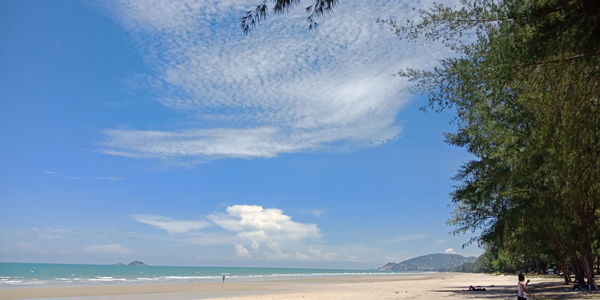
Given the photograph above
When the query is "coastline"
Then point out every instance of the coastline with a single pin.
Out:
(385, 286)
(33, 275)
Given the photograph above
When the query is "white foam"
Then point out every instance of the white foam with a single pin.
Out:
(100, 280)
(106, 279)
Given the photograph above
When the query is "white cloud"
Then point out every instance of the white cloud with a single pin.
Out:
(270, 234)
(242, 251)
(108, 249)
(255, 223)
(170, 225)
(47, 233)
(253, 231)
(449, 251)
(279, 90)
(264, 234)
(106, 178)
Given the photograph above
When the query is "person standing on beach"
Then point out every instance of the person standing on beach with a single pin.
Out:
(223, 278)
(522, 288)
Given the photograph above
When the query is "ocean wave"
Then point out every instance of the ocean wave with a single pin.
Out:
(106, 279)
(142, 278)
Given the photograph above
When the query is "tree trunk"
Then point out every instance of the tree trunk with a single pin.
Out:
(579, 275)
(566, 271)
(587, 258)
(588, 268)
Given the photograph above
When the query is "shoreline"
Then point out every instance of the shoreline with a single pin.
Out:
(63, 275)
(200, 279)
(422, 286)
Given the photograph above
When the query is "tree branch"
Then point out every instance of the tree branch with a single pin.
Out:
(566, 59)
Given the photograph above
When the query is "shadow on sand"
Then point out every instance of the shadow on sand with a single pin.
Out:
(545, 290)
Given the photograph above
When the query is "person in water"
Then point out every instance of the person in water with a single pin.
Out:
(522, 288)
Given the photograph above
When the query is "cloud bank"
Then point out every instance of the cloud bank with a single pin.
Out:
(282, 89)
(253, 231)
(108, 249)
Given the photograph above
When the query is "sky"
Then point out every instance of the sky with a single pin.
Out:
(157, 131)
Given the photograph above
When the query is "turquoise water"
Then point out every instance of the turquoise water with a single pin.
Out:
(32, 274)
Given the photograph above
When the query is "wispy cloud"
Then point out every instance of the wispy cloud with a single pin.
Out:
(46, 233)
(280, 90)
(170, 225)
(108, 249)
(104, 178)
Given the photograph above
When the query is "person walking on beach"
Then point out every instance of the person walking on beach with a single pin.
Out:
(522, 288)
(223, 278)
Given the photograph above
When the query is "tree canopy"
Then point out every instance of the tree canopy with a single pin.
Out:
(525, 85)
(526, 88)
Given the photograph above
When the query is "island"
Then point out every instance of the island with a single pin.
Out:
(133, 263)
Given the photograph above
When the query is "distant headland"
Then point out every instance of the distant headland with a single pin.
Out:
(432, 262)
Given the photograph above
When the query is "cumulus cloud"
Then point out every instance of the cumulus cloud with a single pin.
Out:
(253, 232)
(266, 232)
(242, 251)
(170, 225)
(449, 251)
(108, 249)
(255, 222)
(280, 90)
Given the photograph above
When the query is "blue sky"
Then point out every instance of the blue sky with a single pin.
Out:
(155, 130)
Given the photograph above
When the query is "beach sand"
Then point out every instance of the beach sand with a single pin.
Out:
(424, 286)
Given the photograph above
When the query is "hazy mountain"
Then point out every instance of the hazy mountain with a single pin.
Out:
(431, 262)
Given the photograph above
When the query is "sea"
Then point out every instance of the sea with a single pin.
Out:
(42, 274)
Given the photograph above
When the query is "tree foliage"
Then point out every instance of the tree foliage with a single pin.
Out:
(314, 11)
(525, 85)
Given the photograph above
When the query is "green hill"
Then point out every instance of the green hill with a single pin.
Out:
(431, 262)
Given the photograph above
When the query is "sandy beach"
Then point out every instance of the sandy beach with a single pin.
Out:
(425, 286)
